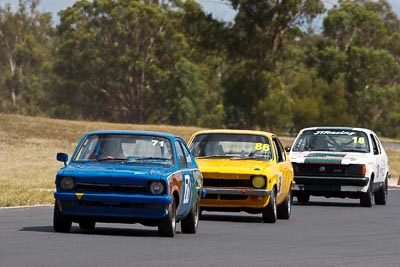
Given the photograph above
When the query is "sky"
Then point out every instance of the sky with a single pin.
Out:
(218, 8)
(222, 11)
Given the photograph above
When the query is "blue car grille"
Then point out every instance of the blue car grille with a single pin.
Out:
(110, 188)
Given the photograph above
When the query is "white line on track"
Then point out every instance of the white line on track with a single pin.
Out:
(24, 207)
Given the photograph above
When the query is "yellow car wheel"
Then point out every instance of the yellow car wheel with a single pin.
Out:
(270, 213)
(285, 209)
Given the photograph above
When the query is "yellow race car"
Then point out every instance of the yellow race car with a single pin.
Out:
(244, 170)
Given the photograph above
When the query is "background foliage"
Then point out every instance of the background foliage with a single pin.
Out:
(167, 62)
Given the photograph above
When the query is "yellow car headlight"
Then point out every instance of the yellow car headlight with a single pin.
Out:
(258, 181)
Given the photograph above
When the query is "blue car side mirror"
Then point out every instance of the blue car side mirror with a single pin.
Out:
(63, 157)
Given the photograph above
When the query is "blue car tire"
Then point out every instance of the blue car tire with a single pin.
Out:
(167, 226)
(61, 223)
(190, 223)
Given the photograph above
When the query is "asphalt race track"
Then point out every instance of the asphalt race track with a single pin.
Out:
(325, 232)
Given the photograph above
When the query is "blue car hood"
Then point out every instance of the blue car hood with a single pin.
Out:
(116, 173)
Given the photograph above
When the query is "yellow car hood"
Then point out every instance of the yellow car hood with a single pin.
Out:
(238, 166)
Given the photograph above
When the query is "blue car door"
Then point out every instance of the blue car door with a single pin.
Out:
(186, 169)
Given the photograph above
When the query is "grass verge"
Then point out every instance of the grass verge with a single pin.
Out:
(28, 148)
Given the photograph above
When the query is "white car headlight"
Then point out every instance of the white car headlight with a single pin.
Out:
(157, 187)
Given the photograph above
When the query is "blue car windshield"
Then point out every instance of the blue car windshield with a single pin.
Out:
(332, 140)
(126, 147)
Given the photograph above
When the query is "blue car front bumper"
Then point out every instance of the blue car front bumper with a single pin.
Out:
(113, 205)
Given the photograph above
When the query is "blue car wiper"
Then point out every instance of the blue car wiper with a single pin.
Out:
(132, 159)
(151, 158)
(112, 159)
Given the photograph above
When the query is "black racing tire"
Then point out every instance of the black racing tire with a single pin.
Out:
(167, 226)
(381, 195)
(87, 224)
(61, 222)
(270, 212)
(285, 209)
(303, 199)
(367, 198)
(190, 223)
(201, 211)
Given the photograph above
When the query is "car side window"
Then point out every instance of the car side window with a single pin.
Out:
(378, 144)
(181, 155)
(375, 146)
(187, 155)
(279, 151)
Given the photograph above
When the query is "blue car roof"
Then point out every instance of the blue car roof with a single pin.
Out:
(162, 134)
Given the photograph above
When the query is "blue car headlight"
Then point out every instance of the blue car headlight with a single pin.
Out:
(156, 187)
(67, 183)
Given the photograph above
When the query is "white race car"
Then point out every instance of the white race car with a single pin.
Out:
(340, 162)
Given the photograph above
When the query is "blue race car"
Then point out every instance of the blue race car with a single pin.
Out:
(128, 177)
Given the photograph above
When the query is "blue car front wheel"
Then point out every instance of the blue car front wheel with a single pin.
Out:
(61, 223)
(167, 226)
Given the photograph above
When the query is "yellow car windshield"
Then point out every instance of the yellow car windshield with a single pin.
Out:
(231, 145)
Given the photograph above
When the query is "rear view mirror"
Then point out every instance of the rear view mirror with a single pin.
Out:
(63, 157)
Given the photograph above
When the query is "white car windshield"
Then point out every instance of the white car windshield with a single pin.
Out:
(332, 140)
(220, 145)
(126, 147)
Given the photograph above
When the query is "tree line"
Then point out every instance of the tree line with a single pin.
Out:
(168, 62)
